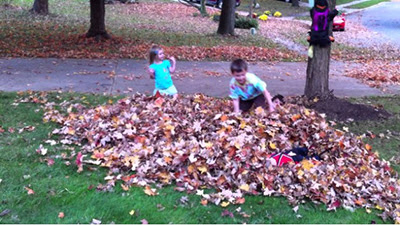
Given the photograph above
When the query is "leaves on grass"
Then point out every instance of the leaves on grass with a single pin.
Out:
(145, 141)
(30, 191)
(227, 213)
(377, 73)
(150, 191)
(41, 150)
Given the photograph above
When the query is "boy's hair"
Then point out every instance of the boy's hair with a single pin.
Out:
(153, 53)
(279, 97)
(238, 65)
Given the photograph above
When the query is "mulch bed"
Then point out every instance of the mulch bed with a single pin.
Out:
(342, 110)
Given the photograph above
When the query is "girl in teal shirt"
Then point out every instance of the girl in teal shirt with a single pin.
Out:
(161, 70)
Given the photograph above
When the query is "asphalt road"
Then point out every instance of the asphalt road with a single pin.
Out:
(383, 18)
(210, 78)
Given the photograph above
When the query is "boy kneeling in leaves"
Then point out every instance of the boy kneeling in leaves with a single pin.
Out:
(247, 90)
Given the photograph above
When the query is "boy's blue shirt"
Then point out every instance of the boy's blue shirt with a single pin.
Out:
(253, 87)
(162, 76)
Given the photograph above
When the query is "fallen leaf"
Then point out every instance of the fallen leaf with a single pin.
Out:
(225, 204)
(30, 191)
(204, 201)
(150, 191)
(227, 213)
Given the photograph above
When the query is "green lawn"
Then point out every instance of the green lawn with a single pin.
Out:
(366, 4)
(134, 27)
(59, 188)
(340, 2)
(73, 17)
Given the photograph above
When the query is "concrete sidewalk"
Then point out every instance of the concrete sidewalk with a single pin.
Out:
(210, 78)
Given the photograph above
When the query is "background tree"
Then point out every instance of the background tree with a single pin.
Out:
(203, 10)
(40, 7)
(201, 7)
(317, 80)
(227, 20)
(295, 3)
(252, 3)
(97, 22)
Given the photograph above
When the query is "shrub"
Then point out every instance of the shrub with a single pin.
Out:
(216, 17)
(246, 23)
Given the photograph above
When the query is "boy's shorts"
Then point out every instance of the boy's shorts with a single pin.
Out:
(256, 102)
(169, 91)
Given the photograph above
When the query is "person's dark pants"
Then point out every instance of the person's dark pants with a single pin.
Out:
(255, 102)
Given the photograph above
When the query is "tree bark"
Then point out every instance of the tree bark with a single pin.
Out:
(203, 10)
(317, 80)
(227, 20)
(251, 8)
(97, 20)
(295, 3)
(40, 7)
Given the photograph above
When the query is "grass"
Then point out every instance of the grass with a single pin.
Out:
(387, 145)
(60, 34)
(59, 188)
(341, 2)
(366, 4)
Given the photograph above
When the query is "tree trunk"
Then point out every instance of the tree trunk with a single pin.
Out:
(203, 10)
(317, 80)
(251, 8)
(97, 22)
(40, 7)
(227, 19)
(295, 3)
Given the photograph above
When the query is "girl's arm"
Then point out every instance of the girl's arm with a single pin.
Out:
(151, 73)
(173, 63)
(268, 97)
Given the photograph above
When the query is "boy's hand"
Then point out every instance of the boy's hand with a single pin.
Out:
(271, 109)
(172, 59)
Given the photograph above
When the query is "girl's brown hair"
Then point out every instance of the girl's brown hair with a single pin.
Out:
(153, 53)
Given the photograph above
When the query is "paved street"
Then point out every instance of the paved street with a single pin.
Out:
(211, 78)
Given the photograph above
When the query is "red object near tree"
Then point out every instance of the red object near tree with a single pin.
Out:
(339, 23)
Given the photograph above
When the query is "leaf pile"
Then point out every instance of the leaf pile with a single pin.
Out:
(196, 143)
